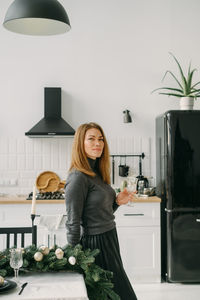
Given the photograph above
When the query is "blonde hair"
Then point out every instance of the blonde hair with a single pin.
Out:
(79, 159)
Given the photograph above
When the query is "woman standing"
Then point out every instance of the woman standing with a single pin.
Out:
(91, 203)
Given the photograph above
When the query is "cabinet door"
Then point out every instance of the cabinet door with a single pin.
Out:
(138, 214)
(140, 251)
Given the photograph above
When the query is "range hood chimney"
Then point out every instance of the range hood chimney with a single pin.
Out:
(52, 125)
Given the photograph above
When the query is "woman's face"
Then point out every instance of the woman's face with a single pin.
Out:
(93, 143)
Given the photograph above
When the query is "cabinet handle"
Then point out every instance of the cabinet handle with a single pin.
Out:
(168, 210)
(133, 214)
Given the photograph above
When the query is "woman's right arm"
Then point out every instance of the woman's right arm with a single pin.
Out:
(76, 189)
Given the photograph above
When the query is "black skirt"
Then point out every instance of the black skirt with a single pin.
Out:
(109, 259)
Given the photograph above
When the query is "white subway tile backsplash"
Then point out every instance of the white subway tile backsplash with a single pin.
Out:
(55, 161)
(145, 146)
(23, 182)
(3, 162)
(54, 147)
(28, 174)
(29, 162)
(46, 147)
(21, 162)
(12, 162)
(3, 146)
(12, 146)
(37, 162)
(63, 164)
(25, 158)
(21, 146)
(37, 147)
(46, 162)
(29, 145)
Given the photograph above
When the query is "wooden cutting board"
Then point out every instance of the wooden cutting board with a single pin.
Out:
(48, 181)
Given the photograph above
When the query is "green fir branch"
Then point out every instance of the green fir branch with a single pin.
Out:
(97, 280)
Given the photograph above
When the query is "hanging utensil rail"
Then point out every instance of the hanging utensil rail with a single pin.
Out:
(141, 156)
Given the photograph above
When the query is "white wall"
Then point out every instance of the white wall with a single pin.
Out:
(114, 56)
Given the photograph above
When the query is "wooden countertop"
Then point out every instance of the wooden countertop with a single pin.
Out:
(22, 200)
(147, 199)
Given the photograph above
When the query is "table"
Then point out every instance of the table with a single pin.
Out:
(50, 286)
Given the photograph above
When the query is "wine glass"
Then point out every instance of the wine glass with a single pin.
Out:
(131, 187)
(16, 261)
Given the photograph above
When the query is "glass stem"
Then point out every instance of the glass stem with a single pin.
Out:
(16, 274)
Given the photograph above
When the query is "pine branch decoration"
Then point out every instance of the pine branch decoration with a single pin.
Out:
(68, 258)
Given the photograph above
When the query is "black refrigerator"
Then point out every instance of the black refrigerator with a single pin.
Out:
(178, 185)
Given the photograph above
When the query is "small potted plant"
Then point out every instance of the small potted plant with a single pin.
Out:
(186, 90)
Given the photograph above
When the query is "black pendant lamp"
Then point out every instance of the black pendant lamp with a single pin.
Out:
(37, 17)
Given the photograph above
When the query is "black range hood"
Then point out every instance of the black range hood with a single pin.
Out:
(52, 125)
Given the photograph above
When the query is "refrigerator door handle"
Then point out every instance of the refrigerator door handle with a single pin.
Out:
(198, 220)
(168, 210)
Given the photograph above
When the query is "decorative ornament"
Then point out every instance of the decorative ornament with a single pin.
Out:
(23, 251)
(1, 280)
(44, 249)
(98, 281)
(59, 253)
(52, 247)
(38, 256)
(72, 260)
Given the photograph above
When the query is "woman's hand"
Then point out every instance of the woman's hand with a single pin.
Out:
(124, 197)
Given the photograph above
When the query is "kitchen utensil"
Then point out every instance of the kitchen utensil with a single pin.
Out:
(123, 169)
(22, 287)
(140, 177)
(48, 182)
(62, 184)
(145, 182)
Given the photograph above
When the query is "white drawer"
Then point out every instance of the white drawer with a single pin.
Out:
(138, 214)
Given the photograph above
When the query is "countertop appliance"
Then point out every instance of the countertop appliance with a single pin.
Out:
(47, 195)
(52, 124)
(178, 185)
(140, 177)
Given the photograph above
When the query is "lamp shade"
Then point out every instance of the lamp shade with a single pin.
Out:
(37, 17)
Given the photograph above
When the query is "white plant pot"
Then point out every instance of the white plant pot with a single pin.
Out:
(186, 103)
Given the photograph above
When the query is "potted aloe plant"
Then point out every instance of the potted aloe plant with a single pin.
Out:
(186, 90)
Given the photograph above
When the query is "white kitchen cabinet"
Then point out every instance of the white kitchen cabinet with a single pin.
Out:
(13, 215)
(138, 228)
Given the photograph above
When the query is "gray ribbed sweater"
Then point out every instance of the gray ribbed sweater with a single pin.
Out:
(90, 204)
